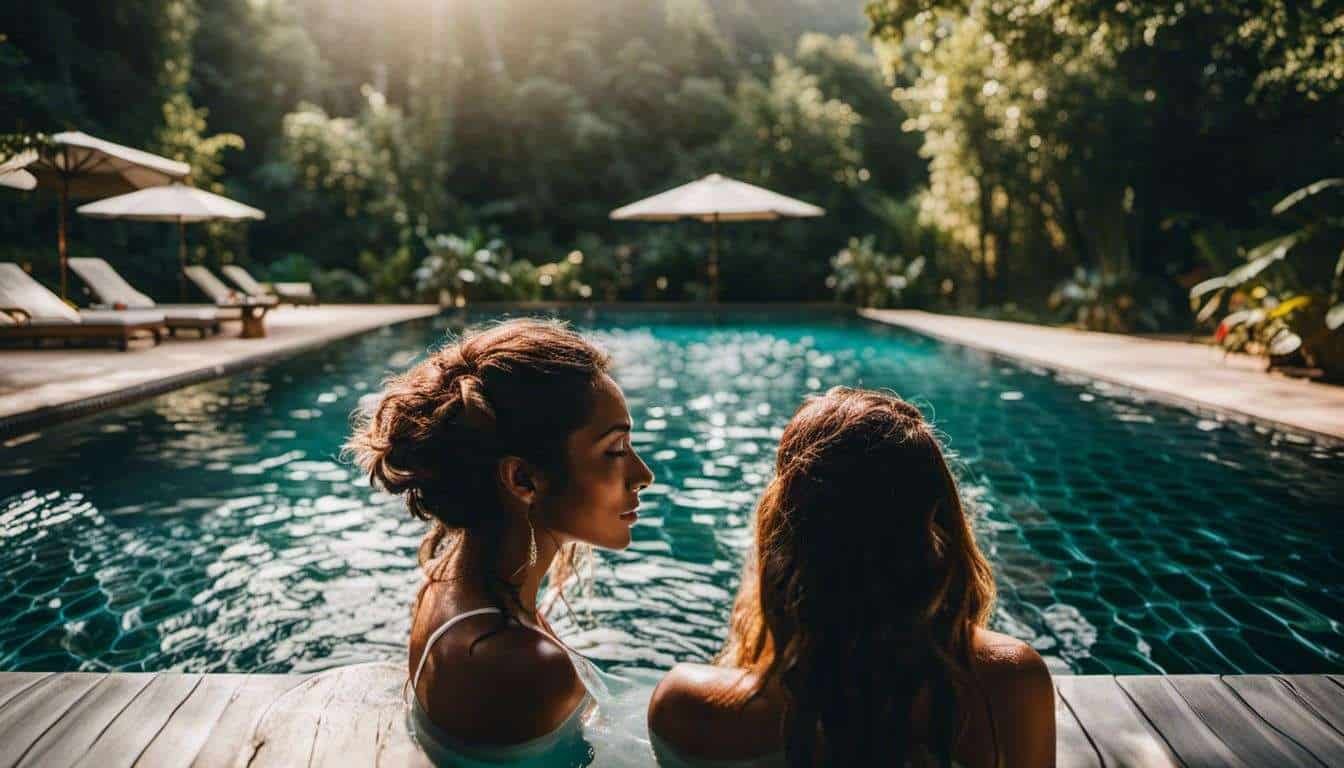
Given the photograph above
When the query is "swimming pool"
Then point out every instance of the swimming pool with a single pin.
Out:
(214, 529)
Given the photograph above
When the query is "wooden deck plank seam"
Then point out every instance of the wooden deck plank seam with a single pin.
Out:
(1247, 705)
(1308, 706)
(385, 727)
(243, 691)
(199, 679)
(254, 748)
(213, 723)
(1199, 714)
(317, 729)
(128, 703)
(73, 703)
(1101, 760)
(1152, 725)
(38, 681)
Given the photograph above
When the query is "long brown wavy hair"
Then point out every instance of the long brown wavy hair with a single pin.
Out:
(517, 388)
(865, 585)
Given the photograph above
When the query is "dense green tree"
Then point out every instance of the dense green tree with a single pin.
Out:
(1137, 140)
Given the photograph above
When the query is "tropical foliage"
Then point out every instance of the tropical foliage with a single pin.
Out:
(1137, 141)
(1288, 310)
(366, 130)
(1088, 161)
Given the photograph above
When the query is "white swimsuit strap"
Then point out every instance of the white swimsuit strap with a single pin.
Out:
(444, 627)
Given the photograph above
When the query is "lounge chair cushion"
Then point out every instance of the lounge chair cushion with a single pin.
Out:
(19, 289)
(110, 287)
(212, 286)
(244, 280)
(121, 316)
(203, 312)
(294, 290)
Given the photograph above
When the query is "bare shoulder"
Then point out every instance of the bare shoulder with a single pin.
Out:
(489, 685)
(1021, 696)
(1002, 654)
(706, 712)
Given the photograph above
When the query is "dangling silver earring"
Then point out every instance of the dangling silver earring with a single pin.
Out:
(531, 540)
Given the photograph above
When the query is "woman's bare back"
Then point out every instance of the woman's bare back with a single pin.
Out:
(1009, 718)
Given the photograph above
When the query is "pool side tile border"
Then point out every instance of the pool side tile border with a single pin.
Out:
(1195, 405)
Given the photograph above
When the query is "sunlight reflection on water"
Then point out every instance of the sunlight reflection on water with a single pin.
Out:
(214, 528)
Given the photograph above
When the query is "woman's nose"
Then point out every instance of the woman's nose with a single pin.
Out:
(643, 475)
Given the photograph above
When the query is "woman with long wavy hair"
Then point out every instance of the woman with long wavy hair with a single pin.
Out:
(858, 636)
(513, 443)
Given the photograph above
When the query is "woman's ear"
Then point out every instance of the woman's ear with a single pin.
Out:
(519, 479)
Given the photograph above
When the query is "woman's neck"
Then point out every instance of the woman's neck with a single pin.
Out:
(473, 558)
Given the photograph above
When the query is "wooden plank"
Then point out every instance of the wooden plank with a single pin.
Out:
(1073, 748)
(396, 748)
(14, 683)
(348, 732)
(287, 732)
(1276, 703)
(122, 741)
(71, 736)
(1321, 696)
(232, 735)
(1168, 712)
(31, 713)
(1118, 731)
(1244, 732)
(181, 738)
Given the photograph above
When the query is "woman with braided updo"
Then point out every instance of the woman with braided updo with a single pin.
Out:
(514, 444)
(858, 635)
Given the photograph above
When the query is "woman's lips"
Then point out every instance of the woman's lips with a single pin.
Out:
(631, 515)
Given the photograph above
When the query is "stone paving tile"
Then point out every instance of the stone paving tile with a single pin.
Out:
(1184, 372)
(32, 379)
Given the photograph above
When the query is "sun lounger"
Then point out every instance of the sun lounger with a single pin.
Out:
(253, 309)
(290, 293)
(114, 292)
(33, 313)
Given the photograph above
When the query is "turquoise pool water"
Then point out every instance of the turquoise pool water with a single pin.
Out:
(214, 529)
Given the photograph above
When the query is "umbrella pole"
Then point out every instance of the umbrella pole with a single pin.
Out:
(714, 264)
(181, 259)
(60, 230)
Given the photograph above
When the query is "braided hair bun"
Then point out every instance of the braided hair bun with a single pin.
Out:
(516, 388)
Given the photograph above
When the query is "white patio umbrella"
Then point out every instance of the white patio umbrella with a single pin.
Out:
(81, 166)
(713, 199)
(175, 202)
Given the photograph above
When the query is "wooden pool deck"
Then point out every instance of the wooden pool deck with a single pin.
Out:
(354, 716)
(1193, 375)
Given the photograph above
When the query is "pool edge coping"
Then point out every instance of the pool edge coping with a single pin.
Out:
(46, 416)
(1199, 407)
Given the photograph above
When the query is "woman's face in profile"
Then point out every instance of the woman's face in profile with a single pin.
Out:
(597, 506)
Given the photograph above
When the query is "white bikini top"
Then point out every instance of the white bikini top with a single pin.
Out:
(559, 747)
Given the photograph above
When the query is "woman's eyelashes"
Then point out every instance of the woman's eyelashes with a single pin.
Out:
(619, 448)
